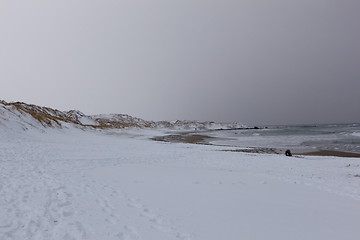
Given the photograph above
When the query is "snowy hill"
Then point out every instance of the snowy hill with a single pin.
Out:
(28, 116)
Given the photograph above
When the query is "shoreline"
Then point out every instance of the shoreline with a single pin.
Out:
(190, 137)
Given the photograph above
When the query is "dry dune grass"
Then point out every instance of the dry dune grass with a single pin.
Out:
(49, 117)
(38, 113)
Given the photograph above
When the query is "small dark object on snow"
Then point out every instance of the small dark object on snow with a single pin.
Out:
(288, 153)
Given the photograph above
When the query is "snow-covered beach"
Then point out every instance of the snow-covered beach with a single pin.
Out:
(179, 120)
(75, 184)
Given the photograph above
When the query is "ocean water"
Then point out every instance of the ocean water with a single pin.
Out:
(298, 138)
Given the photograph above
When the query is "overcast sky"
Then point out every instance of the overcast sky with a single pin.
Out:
(252, 61)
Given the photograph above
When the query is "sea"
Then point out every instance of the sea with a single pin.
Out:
(297, 138)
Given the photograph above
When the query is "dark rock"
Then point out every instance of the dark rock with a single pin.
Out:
(288, 153)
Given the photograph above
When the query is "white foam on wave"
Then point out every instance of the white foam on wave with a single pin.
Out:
(356, 134)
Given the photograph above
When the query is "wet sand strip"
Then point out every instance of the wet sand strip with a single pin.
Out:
(255, 150)
(185, 138)
(332, 153)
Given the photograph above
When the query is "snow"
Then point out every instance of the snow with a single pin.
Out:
(87, 121)
(75, 184)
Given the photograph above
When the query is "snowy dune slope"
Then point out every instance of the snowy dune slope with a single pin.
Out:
(74, 184)
(28, 116)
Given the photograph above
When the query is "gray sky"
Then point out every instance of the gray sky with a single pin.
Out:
(253, 61)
